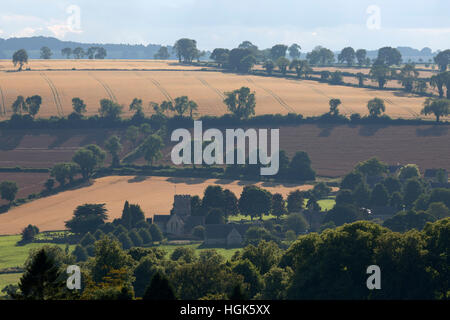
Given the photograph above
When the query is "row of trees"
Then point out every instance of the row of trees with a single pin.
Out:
(80, 53)
(20, 57)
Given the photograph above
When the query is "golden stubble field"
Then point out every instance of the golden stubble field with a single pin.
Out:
(153, 194)
(150, 80)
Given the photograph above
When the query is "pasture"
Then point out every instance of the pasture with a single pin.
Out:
(157, 81)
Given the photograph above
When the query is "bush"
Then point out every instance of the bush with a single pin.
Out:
(135, 238)
(80, 253)
(145, 236)
(29, 233)
(87, 240)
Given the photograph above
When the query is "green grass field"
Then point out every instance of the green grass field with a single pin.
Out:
(12, 255)
(8, 278)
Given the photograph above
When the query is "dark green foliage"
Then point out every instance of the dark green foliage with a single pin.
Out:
(125, 240)
(295, 201)
(98, 234)
(352, 180)
(43, 277)
(344, 197)
(255, 235)
(300, 167)
(135, 238)
(80, 253)
(392, 185)
(379, 196)
(321, 190)
(8, 190)
(87, 218)
(413, 190)
(143, 274)
(145, 236)
(255, 201)
(251, 277)
(87, 240)
(29, 233)
(156, 233)
(185, 254)
(296, 222)
(263, 256)
(278, 205)
(215, 216)
(407, 220)
(361, 195)
(342, 213)
(159, 289)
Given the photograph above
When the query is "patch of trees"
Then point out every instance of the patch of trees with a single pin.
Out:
(79, 53)
(330, 265)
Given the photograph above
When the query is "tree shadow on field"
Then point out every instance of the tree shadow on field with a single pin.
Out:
(98, 137)
(433, 131)
(137, 179)
(368, 130)
(326, 129)
(60, 138)
(186, 180)
(224, 181)
(10, 141)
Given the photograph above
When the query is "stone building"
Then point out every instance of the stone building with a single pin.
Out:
(179, 222)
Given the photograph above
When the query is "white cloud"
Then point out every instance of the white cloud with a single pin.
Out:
(26, 32)
(60, 30)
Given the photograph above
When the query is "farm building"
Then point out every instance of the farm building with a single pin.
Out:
(229, 235)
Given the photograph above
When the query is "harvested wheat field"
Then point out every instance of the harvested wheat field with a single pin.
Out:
(107, 64)
(273, 95)
(153, 194)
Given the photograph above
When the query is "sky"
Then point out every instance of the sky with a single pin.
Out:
(334, 24)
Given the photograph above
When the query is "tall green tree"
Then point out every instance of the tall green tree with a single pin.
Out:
(442, 59)
(376, 107)
(380, 73)
(8, 190)
(87, 218)
(46, 53)
(361, 55)
(20, 57)
(438, 107)
(255, 202)
(347, 55)
(294, 51)
(241, 102)
(78, 105)
(162, 54)
(113, 146)
(186, 50)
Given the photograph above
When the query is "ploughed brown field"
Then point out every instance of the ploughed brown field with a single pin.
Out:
(153, 194)
(333, 150)
(150, 80)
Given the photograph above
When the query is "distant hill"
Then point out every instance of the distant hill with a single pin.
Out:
(34, 44)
